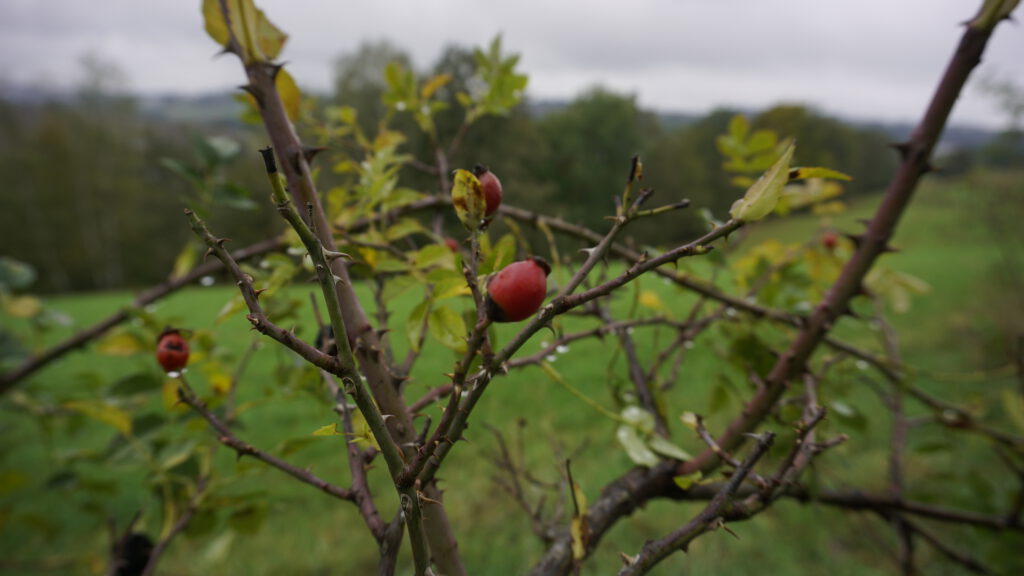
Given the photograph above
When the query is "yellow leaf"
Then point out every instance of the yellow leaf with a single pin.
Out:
(24, 306)
(651, 300)
(434, 84)
(328, 430)
(169, 396)
(290, 95)
(256, 35)
(580, 532)
(121, 343)
(685, 482)
(468, 198)
(103, 412)
(185, 261)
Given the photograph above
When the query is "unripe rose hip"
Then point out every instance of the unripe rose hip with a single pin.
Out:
(517, 291)
(171, 350)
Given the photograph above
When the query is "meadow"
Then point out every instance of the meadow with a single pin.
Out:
(957, 337)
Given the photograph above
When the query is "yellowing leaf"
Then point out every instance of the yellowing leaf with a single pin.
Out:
(688, 480)
(580, 532)
(169, 396)
(468, 199)
(103, 412)
(185, 261)
(762, 197)
(121, 343)
(651, 300)
(803, 172)
(434, 84)
(24, 306)
(290, 95)
(328, 430)
(258, 38)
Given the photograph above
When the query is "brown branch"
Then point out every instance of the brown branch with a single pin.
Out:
(227, 438)
(81, 338)
(708, 519)
(250, 295)
(871, 245)
(962, 559)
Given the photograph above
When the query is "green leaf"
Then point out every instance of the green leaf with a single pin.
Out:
(739, 127)
(434, 255)
(138, 383)
(414, 323)
(185, 261)
(685, 482)
(848, 415)
(636, 448)
(666, 448)
(448, 328)
(762, 197)
(249, 519)
(103, 412)
(402, 228)
(233, 195)
(15, 275)
(1013, 404)
(638, 418)
(177, 457)
(220, 149)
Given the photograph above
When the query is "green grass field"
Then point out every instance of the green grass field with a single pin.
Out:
(957, 334)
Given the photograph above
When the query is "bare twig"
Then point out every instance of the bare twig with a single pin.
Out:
(709, 518)
(227, 438)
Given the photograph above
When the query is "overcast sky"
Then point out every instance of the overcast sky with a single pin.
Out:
(853, 58)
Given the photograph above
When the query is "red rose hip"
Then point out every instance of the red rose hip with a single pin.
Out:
(517, 292)
(829, 240)
(492, 188)
(171, 350)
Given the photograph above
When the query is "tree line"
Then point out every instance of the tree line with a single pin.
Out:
(88, 179)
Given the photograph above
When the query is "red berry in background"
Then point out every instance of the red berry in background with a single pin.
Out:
(517, 291)
(171, 350)
(491, 186)
(452, 244)
(829, 240)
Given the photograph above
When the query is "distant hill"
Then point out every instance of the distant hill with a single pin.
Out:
(222, 108)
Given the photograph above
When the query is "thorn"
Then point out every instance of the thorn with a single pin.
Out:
(209, 252)
(260, 291)
(255, 93)
(310, 152)
(902, 147)
(331, 256)
(188, 212)
(857, 239)
(274, 69)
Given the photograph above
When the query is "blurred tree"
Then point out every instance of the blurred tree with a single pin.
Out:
(587, 141)
(359, 80)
